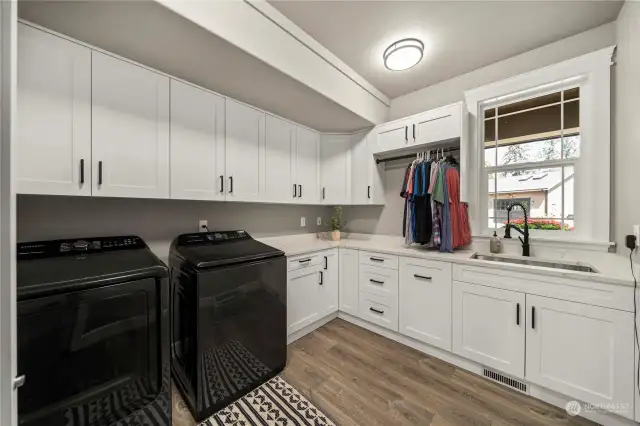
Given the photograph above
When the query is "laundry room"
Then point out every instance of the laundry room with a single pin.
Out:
(319, 212)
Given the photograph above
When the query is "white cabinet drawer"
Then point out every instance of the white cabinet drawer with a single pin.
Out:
(305, 261)
(379, 310)
(379, 281)
(379, 259)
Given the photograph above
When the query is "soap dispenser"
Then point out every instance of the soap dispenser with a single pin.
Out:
(495, 245)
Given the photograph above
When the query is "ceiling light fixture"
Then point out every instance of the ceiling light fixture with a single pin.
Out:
(403, 54)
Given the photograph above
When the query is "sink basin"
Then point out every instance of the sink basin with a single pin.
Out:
(533, 262)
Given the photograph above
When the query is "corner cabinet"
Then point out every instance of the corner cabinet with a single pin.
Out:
(130, 129)
(349, 281)
(335, 163)
(197, 143)
(245, 152)
(53, 149)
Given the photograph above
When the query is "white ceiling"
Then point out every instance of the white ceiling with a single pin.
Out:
(460, 36)
(148, 33)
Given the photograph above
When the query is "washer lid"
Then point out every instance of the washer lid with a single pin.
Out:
(205, 250)
(62, 266)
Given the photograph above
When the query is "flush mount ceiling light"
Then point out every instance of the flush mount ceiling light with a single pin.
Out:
(403, 54)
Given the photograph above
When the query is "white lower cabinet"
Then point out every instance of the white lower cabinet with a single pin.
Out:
(303, 292)
(349, 293)
(379, 310)
(489, 326)
(586, 352)
(425, 301)
(329, 283)
(312, 288)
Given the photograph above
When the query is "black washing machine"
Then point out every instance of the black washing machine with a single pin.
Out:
(93, 334)
(229, 310)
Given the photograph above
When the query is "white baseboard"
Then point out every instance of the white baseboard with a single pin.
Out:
(546, 395)
(308, 329)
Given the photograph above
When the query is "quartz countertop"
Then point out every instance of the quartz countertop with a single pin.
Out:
(612, 268)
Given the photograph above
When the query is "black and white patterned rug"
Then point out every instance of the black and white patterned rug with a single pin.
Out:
(275, 403)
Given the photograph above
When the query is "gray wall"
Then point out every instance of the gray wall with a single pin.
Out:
(626, 125)
(388, 219)
(451, 91)
(156, 221)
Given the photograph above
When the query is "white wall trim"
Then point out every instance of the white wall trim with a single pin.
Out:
(8, 312)
(296, 32)
(592, 72)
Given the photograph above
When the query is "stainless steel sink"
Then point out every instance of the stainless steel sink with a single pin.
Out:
(533, 262)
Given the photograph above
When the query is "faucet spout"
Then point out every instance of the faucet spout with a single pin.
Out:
(524, 231)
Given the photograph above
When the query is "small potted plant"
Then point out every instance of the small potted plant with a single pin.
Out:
(336, 223)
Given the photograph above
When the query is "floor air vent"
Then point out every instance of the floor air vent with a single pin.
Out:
(508, 381)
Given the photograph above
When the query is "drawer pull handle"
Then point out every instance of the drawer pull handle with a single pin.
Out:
(304, 260)
(422, 277)
(376, 311)
(376, 259)
(377, 282)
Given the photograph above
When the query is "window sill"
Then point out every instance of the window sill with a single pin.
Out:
(555, 242)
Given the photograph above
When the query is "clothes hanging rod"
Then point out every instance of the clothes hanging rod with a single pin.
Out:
(402, 157)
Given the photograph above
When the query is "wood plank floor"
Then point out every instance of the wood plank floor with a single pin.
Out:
(359, 378)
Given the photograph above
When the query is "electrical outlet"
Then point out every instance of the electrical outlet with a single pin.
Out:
(303, 221)
(636, 232)
(203, 225)
(319, 221)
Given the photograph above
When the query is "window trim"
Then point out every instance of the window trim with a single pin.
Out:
(592, 72)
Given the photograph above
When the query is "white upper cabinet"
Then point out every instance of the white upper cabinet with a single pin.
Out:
(197, 143)
(245, 152)
(307, 168)
(367, 177)
(430, 127)
(391, 136)
(488, 326)
(581, 350)
(53, 149)
(278, 176)
(335, 160)
(130, 129)
(437, 125)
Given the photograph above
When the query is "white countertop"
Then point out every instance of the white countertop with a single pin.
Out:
(612, 268)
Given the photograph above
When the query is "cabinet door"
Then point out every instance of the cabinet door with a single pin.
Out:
(487, 328)
(130, 129)
(425, 301)
(329, 283)
(581, 351)
(349, 281)
(307, 166)
(437, 125)
(367, 177)
(335, 160)
(197, 143)
(278, 179)
(54, 105)
(391, 136)
(303, 292)
(245, 153)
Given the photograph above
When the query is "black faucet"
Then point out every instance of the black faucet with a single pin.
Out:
(525, 233)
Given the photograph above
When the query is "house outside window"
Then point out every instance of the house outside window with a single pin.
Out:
(543, 139)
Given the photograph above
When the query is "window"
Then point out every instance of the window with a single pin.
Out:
(531, 147)
(543, 138)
